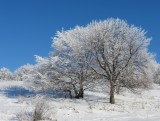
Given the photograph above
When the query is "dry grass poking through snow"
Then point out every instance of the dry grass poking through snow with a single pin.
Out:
(42, 112)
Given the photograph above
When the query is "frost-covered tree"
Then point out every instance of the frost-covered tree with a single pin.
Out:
(138, 79)
(37, 77)
(6, 75)
(23, 72)
(42, 74)
(120, 52)
(72, 61)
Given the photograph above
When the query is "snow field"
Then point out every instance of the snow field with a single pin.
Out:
(94, 106)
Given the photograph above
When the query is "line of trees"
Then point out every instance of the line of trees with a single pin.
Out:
(110, 51)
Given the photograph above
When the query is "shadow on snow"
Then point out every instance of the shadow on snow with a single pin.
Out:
(15, 91)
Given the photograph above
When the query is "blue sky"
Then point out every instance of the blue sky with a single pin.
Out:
(26, 26)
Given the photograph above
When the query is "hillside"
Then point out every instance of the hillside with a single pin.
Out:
(17, 101)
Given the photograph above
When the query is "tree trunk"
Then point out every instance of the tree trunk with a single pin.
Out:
(112, 89)
(70, 94)
(80, 93)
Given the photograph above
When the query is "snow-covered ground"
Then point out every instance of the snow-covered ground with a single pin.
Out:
(94, 107)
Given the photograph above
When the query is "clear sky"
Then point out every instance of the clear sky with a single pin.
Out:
(26, 26)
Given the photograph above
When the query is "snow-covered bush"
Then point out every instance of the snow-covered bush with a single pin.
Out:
(39, 79)
(23, 72)
(6, 75)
